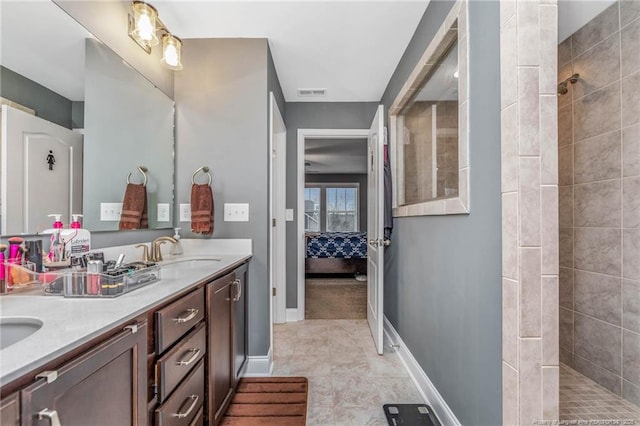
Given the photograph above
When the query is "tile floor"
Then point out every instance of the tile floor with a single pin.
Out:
(583, 399)
(348, 381)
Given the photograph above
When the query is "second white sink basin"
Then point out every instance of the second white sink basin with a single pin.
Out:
(13, 330)
(188, 260)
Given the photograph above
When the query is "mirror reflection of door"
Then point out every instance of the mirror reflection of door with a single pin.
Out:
(33, 183)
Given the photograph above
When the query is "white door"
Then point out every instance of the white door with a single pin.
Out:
(41, 172)
(375, 228)
(277, 235)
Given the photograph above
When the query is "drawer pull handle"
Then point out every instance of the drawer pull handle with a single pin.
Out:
(194, 402)
(191, 314)
(195, 353)
(52, 415)
(238, 284)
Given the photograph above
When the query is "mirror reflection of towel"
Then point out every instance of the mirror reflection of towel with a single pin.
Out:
(134, 207)
(201, 209)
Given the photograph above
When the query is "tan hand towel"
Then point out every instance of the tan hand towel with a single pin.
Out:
(201, 209)
(134, 207)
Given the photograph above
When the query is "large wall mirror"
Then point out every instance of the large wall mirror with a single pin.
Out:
(77, 123)
(429, 127)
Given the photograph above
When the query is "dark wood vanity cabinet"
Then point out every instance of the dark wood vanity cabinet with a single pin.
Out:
(104, 386)
(227, 345)
(178, 365)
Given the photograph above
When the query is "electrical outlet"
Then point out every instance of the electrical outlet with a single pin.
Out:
(236, 212)
(185, 212)
(110, 212)
(164, 214)
(289, 215)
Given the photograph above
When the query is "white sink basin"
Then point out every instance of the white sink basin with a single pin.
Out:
(13, 330)
(188, 260)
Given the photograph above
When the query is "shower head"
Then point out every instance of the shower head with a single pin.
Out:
(563, 85)
(562, 88)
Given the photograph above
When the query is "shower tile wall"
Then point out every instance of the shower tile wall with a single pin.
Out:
(599, 200)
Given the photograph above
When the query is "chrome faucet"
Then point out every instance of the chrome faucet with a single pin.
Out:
(156, 251)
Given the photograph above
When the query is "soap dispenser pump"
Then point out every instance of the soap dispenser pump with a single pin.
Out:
(176, 248)
(56, 246)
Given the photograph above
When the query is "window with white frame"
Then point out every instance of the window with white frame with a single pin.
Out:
(331, 207)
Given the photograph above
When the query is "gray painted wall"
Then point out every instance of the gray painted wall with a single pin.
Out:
(107, 21)
(77, 114)
(442, 273)
(222, 122)
(48, 104)
(313, 115)
(346, 178)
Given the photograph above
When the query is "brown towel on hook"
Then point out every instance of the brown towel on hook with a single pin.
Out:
(201, 209)
(134, 207)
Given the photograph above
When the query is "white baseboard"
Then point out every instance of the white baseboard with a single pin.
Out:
(292, 314)
(259, 366)
(420, 378)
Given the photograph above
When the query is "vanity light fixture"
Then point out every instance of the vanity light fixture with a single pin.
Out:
(143, 28)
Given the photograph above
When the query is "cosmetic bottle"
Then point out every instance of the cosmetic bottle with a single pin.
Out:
(56, 249)
(176, 248)
(3, 269)
(77, 240)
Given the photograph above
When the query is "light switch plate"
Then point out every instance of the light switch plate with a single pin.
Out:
(236, 212)
(185, 212)
(110, 212)
(164, 214)
(289, 215)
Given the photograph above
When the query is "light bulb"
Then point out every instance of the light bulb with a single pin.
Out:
(171, 47)
(145, 17)
(145, 28)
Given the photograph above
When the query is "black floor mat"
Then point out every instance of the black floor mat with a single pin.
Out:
(410, 415)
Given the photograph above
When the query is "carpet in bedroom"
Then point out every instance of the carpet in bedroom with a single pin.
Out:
(335, 298)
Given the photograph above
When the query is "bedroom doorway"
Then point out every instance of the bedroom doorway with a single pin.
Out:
(332, 218)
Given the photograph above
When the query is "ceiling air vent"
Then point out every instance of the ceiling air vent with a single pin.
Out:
(306, 93)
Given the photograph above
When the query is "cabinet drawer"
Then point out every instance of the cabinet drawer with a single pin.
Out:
(176, 363)
(176, 319)
(183, 405)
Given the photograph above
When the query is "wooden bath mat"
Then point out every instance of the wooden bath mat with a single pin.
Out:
(269, 401)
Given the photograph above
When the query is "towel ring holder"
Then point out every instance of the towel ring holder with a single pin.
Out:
(142, 170)
(203, 169)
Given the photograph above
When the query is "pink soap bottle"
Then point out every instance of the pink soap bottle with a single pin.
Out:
(56, 248)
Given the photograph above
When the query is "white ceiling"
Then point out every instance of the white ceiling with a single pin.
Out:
(330, 156)
(43, 43)
(349, 48)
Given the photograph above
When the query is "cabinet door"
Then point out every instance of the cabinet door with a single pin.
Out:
(240, 318)
(220, 346)
(105, 386)
(10, 410)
